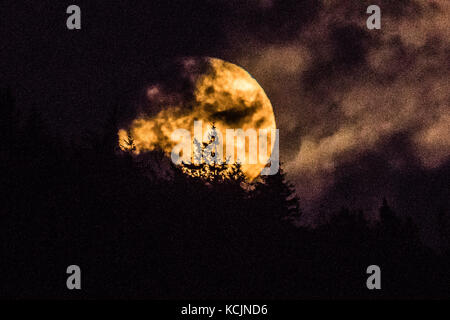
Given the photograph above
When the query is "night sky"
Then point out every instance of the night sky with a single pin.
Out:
(363, 114)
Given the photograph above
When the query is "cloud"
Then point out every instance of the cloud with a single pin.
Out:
(341, 91)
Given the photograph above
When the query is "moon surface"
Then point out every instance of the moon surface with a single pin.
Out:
(207, 89)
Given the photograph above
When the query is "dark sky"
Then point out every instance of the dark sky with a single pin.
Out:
(363, 114)
(74, 75)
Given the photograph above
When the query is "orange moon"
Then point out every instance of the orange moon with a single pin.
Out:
(221, 93)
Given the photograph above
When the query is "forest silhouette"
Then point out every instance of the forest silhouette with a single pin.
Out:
(135, 234)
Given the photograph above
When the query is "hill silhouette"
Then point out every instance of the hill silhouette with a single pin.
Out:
(137, 235)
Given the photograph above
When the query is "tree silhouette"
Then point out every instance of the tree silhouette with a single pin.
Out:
(277, 196)
(206, 164)
(128, 144)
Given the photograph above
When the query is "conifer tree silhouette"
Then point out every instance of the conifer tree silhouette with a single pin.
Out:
(128, 144)
(206, 163)
(278, 196)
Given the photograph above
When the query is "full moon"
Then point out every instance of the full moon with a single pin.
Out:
(204, 89)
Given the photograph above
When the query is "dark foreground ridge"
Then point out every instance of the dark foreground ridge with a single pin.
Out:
(140, 236)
